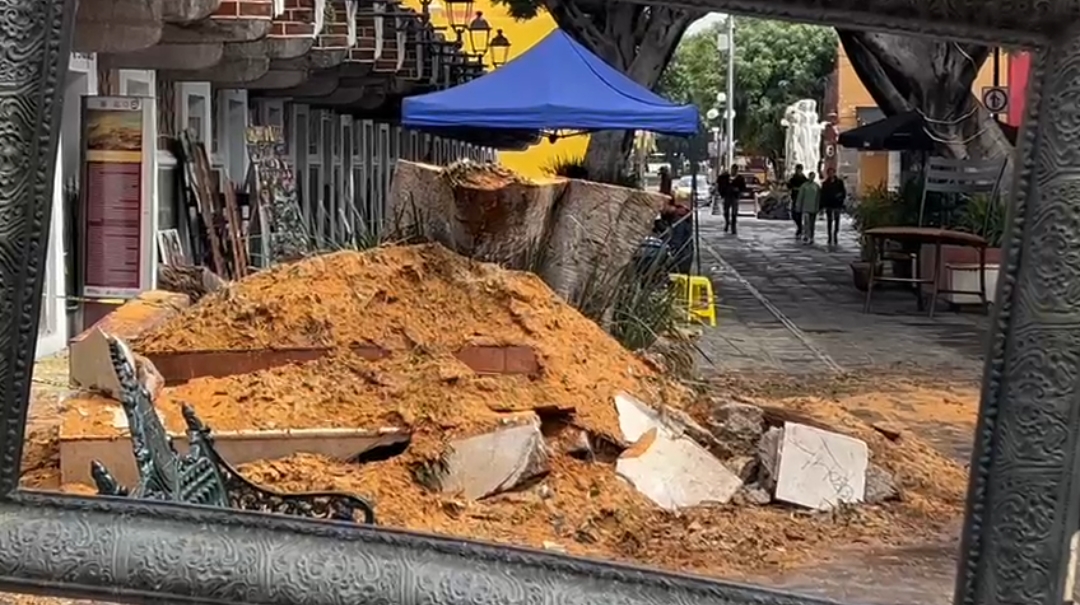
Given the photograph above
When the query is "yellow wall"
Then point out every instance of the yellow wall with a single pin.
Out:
(874, 166)
(522, 35)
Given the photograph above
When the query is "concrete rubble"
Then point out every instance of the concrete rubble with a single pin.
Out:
(820, 469)
(91, 368)
(677, 463)
(664, 464)
(738, 426)
(494, 462)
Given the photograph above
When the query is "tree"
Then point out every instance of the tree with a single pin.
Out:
(905, 73)
(636, 39)
(776, 64)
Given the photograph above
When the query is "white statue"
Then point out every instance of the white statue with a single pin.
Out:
(802, 143)
(788, 122)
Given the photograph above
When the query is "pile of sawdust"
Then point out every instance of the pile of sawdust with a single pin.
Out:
(420, 303)
(485, 176)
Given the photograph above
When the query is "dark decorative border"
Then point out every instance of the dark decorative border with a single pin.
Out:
(1024, 491)
(97, 547)
(35, 45)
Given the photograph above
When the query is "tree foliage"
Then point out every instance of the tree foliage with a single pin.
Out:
(776, 64)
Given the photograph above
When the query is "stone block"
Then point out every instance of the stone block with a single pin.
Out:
(738, 427)
(676, 472)
(819, 469)
(494, 462)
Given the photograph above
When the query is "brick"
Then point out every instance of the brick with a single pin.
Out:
(483, 360)
(386, 65)
(277, 29)
(521, 360)
(178, 368)
(299, 29)
(301, 15)
(333, 41)
(256, 8)
(228, 8)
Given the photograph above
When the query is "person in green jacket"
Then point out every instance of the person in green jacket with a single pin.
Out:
(809, 202)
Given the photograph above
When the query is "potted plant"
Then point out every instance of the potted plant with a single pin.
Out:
(875, 209)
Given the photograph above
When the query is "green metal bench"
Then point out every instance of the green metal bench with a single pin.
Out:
(202, 476)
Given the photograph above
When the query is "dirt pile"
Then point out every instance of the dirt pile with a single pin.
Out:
(421, 304)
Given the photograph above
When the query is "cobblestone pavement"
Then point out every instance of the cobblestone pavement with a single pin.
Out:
(791, 308)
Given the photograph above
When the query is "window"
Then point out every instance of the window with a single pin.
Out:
(137, 83)
(194, 103)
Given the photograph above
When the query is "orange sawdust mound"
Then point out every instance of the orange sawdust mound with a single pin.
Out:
(422, 304)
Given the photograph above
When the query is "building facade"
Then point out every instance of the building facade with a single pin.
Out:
(330, 74)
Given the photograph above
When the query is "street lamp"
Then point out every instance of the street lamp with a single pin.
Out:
(479, 34)
(500, 49)
(457, 13)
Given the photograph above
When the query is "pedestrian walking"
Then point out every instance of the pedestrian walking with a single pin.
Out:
(809, 199)
(665, 180)
(731, 193)
(720, 184)
(833, 197)
(793, 185)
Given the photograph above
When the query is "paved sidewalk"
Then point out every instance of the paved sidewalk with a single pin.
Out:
(787, 307)
(793, 309)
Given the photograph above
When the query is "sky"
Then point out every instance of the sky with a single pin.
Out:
(704, 23)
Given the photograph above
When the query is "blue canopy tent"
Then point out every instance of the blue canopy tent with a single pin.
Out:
(555, 85)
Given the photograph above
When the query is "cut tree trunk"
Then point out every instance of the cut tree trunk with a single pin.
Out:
(636, 39)
(905, 73)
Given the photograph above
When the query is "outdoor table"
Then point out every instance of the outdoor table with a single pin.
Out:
(918, 236)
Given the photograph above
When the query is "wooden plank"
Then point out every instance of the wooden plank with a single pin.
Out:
(239, 249)
(201, 187)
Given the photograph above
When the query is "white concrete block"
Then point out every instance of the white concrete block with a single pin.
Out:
(676, 472)
(820, 469)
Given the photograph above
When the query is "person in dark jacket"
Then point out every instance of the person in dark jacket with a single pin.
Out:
(731, 186)
(833, 196)
(665, 180)
(793, 185)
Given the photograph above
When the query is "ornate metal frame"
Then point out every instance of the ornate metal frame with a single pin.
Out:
(1024, 493)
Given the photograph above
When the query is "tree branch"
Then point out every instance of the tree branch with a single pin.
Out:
(872, 73)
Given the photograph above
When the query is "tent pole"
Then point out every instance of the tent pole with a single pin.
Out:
(694, 208)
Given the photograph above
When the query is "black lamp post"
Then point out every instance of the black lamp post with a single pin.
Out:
(479, 34)
(500, 49)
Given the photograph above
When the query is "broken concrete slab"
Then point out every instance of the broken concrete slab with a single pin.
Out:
(494, 462)
(738, 427)
(90, 366)
(819, 469)
(637, 417)
(676, 472)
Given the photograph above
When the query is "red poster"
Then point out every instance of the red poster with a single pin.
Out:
(113, 228)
